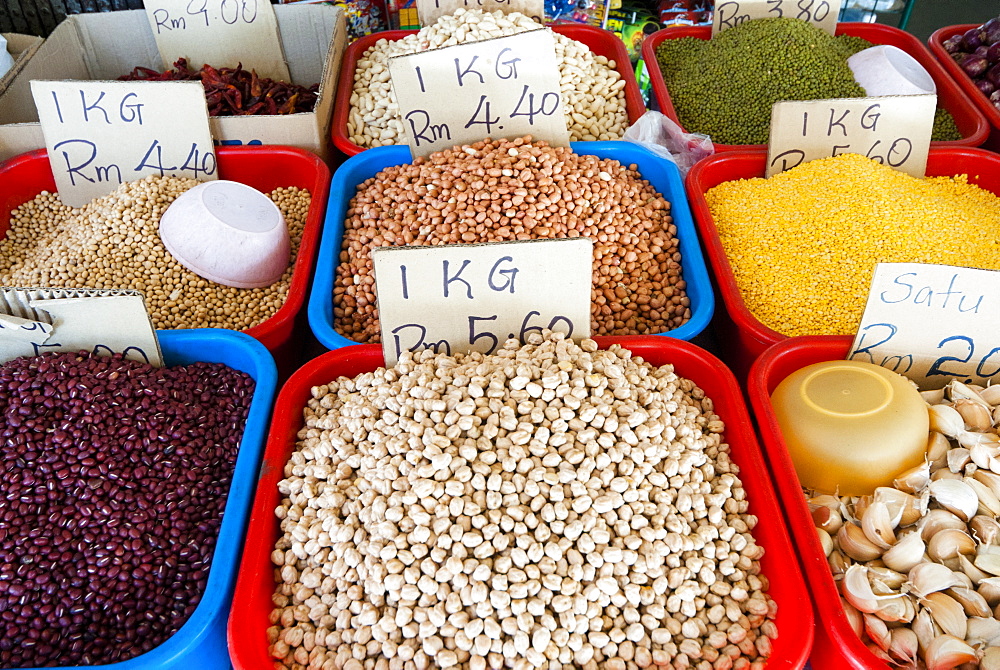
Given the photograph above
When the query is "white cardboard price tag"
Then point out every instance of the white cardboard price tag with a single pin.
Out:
(100, 134)
(221, 33)
(473, 297)
(932, 323)
(429, 11)
(38, 320)
(894, 130)
(729, 14)
(504, 87)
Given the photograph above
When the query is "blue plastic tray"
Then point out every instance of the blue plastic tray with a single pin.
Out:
(201, 641)
(661, 173)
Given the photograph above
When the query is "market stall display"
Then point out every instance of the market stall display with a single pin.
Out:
(741, 112)
(657, 268)
(120, 248)
(127, 493)
(597, 94)
(253, 604)
(816, 283)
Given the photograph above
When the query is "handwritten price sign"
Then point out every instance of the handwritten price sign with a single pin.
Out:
(823, 13)
(503, 87)
(429, 11)
(932, 323)
(100, 134)
(463, 297)
(893, 130)
(221, 33)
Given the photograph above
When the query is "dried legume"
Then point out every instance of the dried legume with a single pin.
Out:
(518, 190)
(114, 477)
(593, 92)
(114, 242)
(550, 505)
(725, 87)
(803, 244)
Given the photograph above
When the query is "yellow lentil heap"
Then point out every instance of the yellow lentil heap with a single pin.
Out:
(803, 244)
(114, 242)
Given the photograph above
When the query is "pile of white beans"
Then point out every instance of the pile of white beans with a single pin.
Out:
(593, 92)
(550, 506)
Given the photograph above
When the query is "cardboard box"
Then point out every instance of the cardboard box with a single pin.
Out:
(107, 45)
(21, 48)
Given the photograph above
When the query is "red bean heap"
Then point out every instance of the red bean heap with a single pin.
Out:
(113, 481)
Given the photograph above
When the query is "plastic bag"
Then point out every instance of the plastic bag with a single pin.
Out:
(6, 60)
(663, 137)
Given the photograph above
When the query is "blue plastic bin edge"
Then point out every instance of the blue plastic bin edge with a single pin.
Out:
(661, 173)
(201, 641)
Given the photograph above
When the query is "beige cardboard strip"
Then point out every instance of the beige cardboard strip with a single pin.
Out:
(217, 32)
(503, 87)
(932, 323)
(894, 130)
(38, 320)
(731, 13)
(474, 297)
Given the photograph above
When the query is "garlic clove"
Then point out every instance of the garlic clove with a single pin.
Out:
(858, 591)
(893, 579)
(878, 652)
(985, 529)
(838, 563)
(896, 609)
(825, 500)
(854, 616)
(926, 578)
(913, 480)
(983, 631)
(989, 658)
(990, 479)
(975, 575)
(825, 541)
(955, 496)
(905, 554)
(936, 520)
(933, 396)
(957, 458)
(970, 439)
(947, 613)
(877, 631)
(978, 416)
(903, 646)
(904, 508)
(972, 603)
(852, 541)
(946, 652)
(878, 526)
(989, 504)
(945, 419)
(925, 629)
(989, 588)
(938, 447)
(981, 454)
(945, 473)
(828, 519)
(988, 562)
(949, 543)
(960, 392)
(991, 394)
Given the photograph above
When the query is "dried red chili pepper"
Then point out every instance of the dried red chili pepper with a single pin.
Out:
(235, 91)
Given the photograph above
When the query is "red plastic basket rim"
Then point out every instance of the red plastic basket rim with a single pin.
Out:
(936, 44)
(916, 49)
(712, 372)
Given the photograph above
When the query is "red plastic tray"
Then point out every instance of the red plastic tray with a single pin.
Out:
(836, 647)
(969, 119)
(601, 42)
(248, 619)
(992, 114)
(265, 168)
(743, 337)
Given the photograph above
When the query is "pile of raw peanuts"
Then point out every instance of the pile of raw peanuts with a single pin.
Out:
(113, 242)
(548, 506)
(593, 92)
(502, 190)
